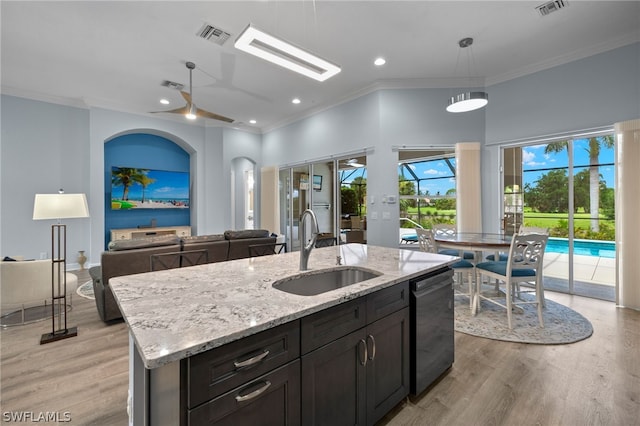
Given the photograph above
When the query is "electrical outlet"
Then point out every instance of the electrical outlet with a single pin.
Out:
(374, 215)
(386, 215)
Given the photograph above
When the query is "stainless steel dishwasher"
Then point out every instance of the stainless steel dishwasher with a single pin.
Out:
(432, 345)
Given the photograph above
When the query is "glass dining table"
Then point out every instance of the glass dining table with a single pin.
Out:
(477, 242)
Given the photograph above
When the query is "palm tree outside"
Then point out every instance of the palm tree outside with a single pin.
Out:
(595, 145)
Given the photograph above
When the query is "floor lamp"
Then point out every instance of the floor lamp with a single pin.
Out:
(59, 206)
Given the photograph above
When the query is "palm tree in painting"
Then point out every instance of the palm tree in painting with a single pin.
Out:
(145, 181)
(125, 177)
(595, 145)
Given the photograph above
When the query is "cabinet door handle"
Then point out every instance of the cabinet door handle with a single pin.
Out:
(373, 347)
(363, 360)
(253, 394)
(251, 361)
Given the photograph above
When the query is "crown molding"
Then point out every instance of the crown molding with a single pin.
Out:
(633, 37)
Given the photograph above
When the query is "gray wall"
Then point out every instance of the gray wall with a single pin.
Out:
(594, 92)
(44, 148)
(47, 146)
(379, 122)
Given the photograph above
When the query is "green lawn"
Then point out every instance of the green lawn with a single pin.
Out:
(555, 222)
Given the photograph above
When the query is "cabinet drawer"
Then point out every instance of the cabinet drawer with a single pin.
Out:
(387, 301)
(219, 370)
(272, 399)
(332, 323)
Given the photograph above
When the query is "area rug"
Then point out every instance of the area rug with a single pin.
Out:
(561, 324)
(86, 290)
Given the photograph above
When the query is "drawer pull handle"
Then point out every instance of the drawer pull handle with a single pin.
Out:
(251, 361)
(253, 394)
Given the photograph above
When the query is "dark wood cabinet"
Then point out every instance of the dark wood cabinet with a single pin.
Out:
(345, 365)
(388, 380)
(356, 379)
(252, 381)
(270, 400)
(221, 369)
(333, 390)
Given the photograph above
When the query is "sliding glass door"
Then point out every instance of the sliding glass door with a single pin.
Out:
(309, 186)
(335, 189)
(352, 175)
(568, 187)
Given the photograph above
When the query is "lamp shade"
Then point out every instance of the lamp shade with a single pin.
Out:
(60, 206)
(468, 101)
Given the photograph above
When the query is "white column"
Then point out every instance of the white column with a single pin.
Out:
(269, 200)
(627, 149)
(468, 187)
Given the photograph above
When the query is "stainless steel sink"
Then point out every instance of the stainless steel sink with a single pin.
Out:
(318, 282)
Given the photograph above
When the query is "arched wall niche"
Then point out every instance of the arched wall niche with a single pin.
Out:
(244, 184)
(148, 149)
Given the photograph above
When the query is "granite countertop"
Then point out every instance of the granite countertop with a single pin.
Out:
(177, 313)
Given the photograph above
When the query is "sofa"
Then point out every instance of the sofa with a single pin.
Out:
(27, 284)
(126, 257)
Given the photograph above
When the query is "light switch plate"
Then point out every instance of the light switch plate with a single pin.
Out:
(386, 215)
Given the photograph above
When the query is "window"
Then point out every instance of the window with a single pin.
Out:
(427, 189)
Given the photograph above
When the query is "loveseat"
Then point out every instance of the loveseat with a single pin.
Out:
(126, 257)
(27, 284)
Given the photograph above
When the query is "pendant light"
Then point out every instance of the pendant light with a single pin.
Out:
(467, 101)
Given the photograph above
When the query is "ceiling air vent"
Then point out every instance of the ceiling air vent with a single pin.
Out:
(552, 6)
(173, 85)
(213, 34)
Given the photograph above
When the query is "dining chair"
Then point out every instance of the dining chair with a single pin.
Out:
(355, 236)
(427, 243)
(445, 229)
(532, 230)
(355, 222)
(178, 259)
(522, 230)
(524, 263)
(267, 249)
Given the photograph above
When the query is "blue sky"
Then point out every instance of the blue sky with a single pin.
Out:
(435, 169)
(533, 157)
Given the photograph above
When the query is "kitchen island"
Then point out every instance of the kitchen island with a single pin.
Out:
(182, 321)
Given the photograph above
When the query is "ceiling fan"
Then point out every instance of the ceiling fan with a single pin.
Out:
(190, 110)
(353, 162)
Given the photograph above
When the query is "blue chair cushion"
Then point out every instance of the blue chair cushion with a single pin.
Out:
(462, 264)
(501, 268)
(454, 252)
(410, 237)
(503, 257)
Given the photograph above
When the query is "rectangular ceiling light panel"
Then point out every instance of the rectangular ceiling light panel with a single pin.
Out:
(282, 53)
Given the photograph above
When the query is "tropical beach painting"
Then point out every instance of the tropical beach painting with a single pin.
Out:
(133, 188)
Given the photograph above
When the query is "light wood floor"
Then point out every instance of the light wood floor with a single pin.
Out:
(593, 382)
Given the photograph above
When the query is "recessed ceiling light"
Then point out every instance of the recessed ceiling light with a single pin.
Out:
(379, 61)
(295, 101)
(252, 121)
(280, 52)
(164, 102)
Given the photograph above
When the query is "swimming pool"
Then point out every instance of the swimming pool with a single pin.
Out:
(582, 247)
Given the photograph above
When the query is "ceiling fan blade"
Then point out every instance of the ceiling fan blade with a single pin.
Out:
(207, 114)
(186, 96)
(182, 110)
